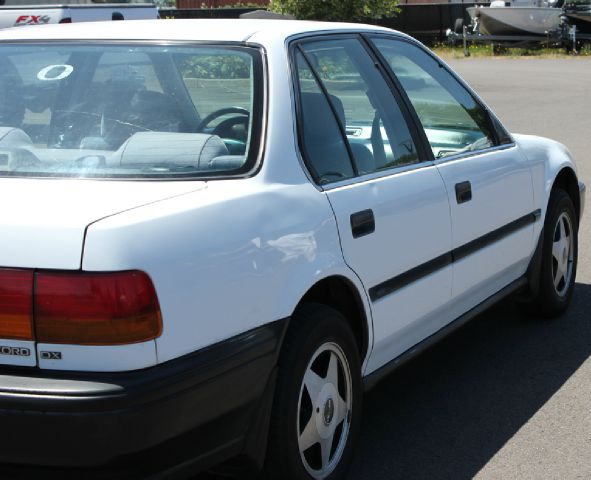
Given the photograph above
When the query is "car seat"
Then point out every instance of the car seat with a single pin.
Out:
(323, 140)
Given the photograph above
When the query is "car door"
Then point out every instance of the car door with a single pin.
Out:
(388, 197)
(488, 179)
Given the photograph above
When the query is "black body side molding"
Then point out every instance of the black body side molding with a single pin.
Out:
(406, 278)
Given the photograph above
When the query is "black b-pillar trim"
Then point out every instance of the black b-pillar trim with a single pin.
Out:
(396, 283)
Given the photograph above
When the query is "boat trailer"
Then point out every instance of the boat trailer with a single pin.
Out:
(566, 36)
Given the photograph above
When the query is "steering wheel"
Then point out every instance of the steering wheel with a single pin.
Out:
(226, 123)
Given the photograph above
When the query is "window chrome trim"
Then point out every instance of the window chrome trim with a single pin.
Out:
(378, 175)
(475, 153)
(368, 177)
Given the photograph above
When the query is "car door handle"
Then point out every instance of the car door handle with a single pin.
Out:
(463, 192)
(362, 223)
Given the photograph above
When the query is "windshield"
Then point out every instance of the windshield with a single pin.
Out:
(104, 110)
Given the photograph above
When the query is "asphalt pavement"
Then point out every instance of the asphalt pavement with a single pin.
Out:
(507, 396)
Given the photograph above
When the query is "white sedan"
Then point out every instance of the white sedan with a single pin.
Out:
(216, 234)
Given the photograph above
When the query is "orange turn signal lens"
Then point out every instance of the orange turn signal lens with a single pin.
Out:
(16, 304)
(96, 308)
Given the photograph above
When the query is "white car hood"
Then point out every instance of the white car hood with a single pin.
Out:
(43, 221)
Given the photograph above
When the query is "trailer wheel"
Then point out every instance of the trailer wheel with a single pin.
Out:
(459, 25)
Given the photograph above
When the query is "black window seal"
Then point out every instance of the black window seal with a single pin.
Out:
(333, 109)
(409, 114)
(255, 155)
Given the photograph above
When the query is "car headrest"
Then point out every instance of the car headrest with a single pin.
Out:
(153, 111)
(226, 162)
(148, 101)
(318, 117)
(161, 148)
(14, 137)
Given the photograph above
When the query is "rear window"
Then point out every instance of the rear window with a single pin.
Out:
(130, 111)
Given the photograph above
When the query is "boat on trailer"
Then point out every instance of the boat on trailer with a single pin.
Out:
(578, 14)
(517, 17)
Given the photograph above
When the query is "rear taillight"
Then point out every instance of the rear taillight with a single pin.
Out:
(78, 308)
(16, 304)
(96, 308)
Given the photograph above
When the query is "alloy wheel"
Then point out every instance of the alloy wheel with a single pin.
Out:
(562, 254)
(324, 410)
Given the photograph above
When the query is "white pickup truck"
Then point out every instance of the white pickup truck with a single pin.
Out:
(19, 16)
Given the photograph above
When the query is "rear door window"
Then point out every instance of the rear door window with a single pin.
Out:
(339, 76)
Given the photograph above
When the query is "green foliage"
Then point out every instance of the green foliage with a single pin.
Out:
(336, 10)
(163, 3)
(216, 66)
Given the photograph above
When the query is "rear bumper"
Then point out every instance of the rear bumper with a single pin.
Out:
(194, 411)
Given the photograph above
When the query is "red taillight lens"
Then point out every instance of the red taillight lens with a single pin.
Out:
(16, 304)
(96, 308)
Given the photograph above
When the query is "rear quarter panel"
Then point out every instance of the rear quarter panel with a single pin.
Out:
(223, 260)
(240, 253)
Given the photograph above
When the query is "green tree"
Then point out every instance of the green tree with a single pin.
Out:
(336, 10)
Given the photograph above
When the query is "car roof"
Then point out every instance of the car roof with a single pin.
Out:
(232, 30)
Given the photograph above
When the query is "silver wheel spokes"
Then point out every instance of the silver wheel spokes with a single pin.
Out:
(323, 410)
(562, 254)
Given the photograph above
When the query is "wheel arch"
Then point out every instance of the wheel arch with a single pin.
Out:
(566, 179)
(342, 294)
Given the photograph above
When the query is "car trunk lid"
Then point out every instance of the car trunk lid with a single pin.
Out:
(43, 221)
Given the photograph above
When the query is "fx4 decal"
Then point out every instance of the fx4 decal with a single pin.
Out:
(32, 20)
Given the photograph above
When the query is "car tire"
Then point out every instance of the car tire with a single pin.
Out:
(314, 423)
(559, 257)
